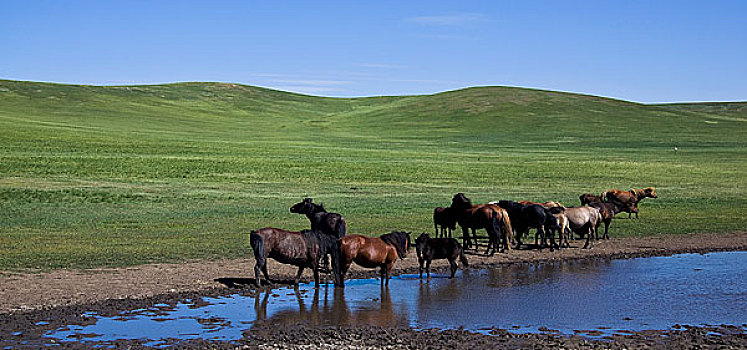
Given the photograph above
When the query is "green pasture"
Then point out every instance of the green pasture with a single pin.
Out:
(114, 176)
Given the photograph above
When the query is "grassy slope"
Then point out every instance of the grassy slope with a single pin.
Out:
(111, 176)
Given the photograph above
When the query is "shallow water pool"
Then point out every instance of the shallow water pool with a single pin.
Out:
(603, 296)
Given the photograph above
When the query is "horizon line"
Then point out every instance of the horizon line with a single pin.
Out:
(376, 96)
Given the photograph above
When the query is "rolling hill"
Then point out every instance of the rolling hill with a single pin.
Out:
(121, 175)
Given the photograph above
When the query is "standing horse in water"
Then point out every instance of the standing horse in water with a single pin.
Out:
(369, 252)
(429, 249)
(303, 249)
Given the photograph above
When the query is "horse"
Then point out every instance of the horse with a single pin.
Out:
(629, 199)
(444, 218)
(303, 249)
(548, 205)
(583, 221)
(527, 216)
(492, 218)
(608, 210)
(369, 252)
(332, 224)
(429, 249)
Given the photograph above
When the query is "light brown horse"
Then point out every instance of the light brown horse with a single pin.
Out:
(369, 252)
(629, 199)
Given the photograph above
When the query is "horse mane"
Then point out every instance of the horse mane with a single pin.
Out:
(397, 239)
(319, 208)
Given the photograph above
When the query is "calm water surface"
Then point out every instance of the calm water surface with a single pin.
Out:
(635, 294)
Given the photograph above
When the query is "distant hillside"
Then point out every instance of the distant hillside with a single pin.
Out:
(736, 110)
(121, 175)
(503, 114)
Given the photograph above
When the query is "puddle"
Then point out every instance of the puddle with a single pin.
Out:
(595, 298)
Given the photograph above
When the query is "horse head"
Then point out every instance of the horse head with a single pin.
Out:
(461, 201)
(420, 242)
(400, 240)
(303, 207)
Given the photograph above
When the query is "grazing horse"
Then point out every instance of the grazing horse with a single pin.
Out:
(369, 252)
(444, 218)
(302, 249)
(492, 218)
(429, 249)
(583, 221)
(629, 199)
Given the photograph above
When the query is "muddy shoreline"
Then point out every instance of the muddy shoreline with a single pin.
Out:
(155, 284)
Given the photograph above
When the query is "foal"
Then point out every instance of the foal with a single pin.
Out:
(429, 249)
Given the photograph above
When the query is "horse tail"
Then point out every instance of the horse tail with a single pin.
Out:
(507, 229)
(258, 247)
(462, 257)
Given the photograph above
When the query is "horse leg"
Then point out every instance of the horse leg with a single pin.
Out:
(298, 276)
(589, 237)
(420, 266)
(257, 272)
(264, 271)
(465, 238)
(453, 264)
(315, 270)
(435, 229)
(606, 227)
(428, 268)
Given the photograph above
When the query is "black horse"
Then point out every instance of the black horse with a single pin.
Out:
(429, 249)
(303, 249)
(330, 223)
(525, 217)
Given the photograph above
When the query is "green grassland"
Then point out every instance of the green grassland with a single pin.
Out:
(114, 176)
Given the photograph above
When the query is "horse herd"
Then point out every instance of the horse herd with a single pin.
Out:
(506, 223)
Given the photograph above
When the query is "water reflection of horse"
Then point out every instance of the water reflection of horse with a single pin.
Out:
(370, 252)
(336, 312)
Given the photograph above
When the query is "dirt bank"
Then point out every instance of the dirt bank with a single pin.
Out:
(30, 291)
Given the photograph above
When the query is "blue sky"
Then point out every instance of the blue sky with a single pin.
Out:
(645, 51)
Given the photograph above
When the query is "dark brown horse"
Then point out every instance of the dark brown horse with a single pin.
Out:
(370, 252)
(303, 249)
(492, 218)
(429, 249)
(444, 218)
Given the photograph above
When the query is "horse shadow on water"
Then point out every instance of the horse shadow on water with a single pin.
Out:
(328, 308)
